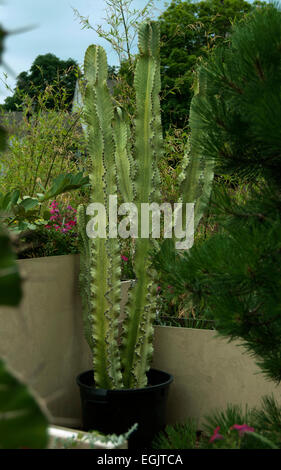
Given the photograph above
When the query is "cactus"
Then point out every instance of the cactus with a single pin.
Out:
(197, 172)
(108, 145)
(121, 362)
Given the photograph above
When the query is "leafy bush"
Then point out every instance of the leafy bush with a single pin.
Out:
(232, 428)
(170, 164)
(57, 235)
(41, 146)
(178, 436)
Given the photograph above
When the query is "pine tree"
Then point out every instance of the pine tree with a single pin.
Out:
(237, 271)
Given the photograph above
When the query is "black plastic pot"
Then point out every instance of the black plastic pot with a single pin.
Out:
(115, 411)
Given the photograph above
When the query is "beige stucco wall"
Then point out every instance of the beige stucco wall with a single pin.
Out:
(209, 373)
(43, 341)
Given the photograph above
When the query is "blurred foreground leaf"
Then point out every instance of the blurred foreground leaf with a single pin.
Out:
(22, 422)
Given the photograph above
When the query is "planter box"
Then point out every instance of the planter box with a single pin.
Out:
(43, 340)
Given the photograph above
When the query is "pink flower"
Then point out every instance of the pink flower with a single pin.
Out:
(54, 211)
(158, 288)
(124, 258)
(242, 428)
(63, 220)
(216, 435)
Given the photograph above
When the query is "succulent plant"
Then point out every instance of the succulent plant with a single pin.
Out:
(133, 171)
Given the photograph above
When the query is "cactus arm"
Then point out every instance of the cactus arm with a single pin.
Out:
(85, 275)
(203, 201)
(105, 265)
(137, 345)
(197, 172)
(123, 159)
(112, 263)
(157, 143)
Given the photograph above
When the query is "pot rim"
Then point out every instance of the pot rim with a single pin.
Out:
(104, 391)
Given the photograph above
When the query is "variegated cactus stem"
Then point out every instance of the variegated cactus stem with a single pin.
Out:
(137, 346)
(85, 273)
(197, 172)
(105, 263)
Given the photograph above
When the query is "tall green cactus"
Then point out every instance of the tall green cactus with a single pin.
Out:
(138, 327)
(134, 171)
(101, 258)
(112, 164)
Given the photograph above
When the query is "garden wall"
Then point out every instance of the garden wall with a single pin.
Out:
(43, 341)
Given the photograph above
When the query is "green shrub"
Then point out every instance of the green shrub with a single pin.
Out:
(42, 145)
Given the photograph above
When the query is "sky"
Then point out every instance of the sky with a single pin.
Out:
(55, 30)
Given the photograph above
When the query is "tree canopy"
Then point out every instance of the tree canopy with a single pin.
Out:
(46, 70)
(188, 31)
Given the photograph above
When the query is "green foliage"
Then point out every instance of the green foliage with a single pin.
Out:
(195, 178)
(65, 183)
(123, 21)
(42, 145)
(267, 419)
(43, 242)
(233, 414)
(176, 307)
(230, 428)
(23, 213)
(178, 436)
(47, 71)
(42, 159)
(10, 283)
(22, 423)
(127, 268)
(240, 429)
(170, 164)
(189, 30)
(236, 272)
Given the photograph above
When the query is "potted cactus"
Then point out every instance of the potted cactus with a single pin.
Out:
(122, 389)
